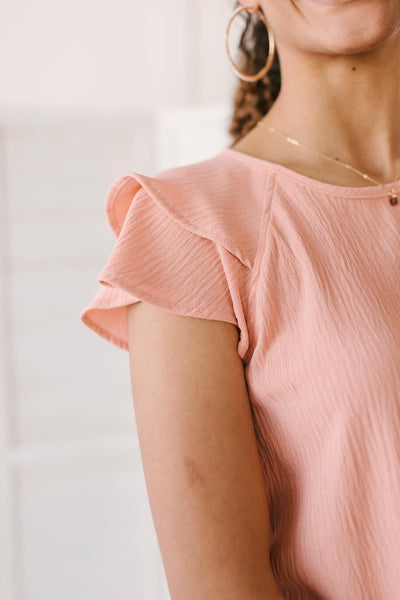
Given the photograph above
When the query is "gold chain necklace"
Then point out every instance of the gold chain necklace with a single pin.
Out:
(393, 199)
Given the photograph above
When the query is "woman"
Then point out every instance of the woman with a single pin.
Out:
(258, 293)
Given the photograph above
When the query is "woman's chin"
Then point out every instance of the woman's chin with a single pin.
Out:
(361, 39)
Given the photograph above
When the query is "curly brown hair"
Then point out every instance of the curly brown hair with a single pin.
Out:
(252, 100)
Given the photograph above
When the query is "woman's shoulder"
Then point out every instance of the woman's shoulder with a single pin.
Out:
(218, 197)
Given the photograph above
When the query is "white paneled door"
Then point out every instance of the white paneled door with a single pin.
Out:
(89, 90)
(75, 517)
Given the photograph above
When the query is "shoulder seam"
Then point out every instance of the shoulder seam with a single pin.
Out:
(269, 186)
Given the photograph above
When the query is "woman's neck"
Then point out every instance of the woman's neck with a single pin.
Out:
(344, 106)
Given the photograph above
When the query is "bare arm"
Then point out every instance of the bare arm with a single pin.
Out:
(200, 458)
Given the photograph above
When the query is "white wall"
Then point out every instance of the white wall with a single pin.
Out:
(121, 54)
(88, 90)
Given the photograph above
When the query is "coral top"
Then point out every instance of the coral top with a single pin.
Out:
(310, 274)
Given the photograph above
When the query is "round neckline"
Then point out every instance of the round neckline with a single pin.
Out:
(369, 191)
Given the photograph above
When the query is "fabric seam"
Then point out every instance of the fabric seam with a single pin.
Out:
(346, 193)
(263, 231)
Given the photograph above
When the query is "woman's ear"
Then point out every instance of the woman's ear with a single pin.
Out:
(251, 5)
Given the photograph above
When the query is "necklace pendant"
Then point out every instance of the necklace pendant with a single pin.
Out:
(393, 199)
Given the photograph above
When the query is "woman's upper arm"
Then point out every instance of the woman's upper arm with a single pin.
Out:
(200, 458)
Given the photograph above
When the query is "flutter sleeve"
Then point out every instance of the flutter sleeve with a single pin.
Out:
(162, 256)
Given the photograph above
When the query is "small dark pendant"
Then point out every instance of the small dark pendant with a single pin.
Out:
(393, 200)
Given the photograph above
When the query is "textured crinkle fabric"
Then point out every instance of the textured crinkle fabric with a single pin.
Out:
(180, 246)
(309, 272)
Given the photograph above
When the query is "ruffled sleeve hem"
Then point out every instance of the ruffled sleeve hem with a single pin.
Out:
(163, 257)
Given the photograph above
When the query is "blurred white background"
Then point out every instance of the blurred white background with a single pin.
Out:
(88, 91)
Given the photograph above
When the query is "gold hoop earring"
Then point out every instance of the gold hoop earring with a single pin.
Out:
(271, 46)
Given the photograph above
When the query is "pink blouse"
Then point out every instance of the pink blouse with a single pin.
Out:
(310, 274)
